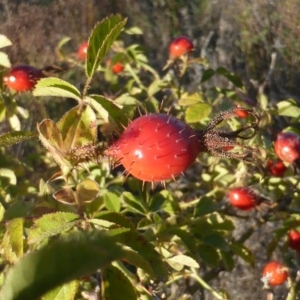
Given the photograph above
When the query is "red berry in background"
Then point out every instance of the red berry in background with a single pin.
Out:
(287, 146)
(156, 147)
(82, 50)
(179, 46)
(242, 198)
(294, 239)
(22, 78)
(117, 68)
(241, 113)
(274, 273)
(276, 167)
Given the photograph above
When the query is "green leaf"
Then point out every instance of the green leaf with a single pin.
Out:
(51, 138)
(205, 205)
(157, 201)
(156, 86)
(87, 190)
(209, 255)
(234, 79)
(15, 231)
(139, 243)
(179, 261)
(4, 41)
(227, 260)
(116, 285)
(134, 30)
(70, 257)
(56, 87)
(217, 241)
(15, 137)
(4, 60)
(133, 203)
(137, 260)
(112, 201)
(9, 174)
(100, 41)
(197, 112)
(190, 99)
(207, 74)
(64, 292)
(288, 108)
(51, 224)
(18, 209)
(242, 251)
(115, 218)
(78, 127)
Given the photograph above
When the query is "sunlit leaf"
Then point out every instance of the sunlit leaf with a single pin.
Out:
(288, 108)
(51, 224)
(197, 112)
(100, 41)
(64, 292)
(116, 285)
(4, 41)
(56, 87)
(112, 201)
(87, 190)
(190, 99)
(4, 60)
(70, 257)
(179, 261)
(15, 137)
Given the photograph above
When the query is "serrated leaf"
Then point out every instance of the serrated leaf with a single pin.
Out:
(243, 252)
(64, 292)
(87, 190)
(137, 260)
(139, 243)
(51, 138)
(197, 112)
(179, 261)
(189, 99)
(112, 201)
(78, 127)
(4, 41)
(227, 260)
(50, 225)
(116, 285)
(108, 110)
(70, 257)
(55, 87)
(288, 108)
(15, 137)
(209, 255)
(100, 41)
(205, 205)
(230, 76)
(133, 203)
(207, 74)
(115, 217)
(16, 235)
(4, 60)
(217, 241)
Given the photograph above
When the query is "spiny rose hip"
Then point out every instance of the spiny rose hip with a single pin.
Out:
(274, 273)
(156, 147)
(287, 146)
(242, 198)
(22, 78)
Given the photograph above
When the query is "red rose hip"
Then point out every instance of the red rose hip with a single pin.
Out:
(82, 51)
(274, 273)
(276, 167)
(117, 68)
(22, 78)
(287, 146)
(294, 239)
(242, 198)
(179, 46)
(156, 147)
